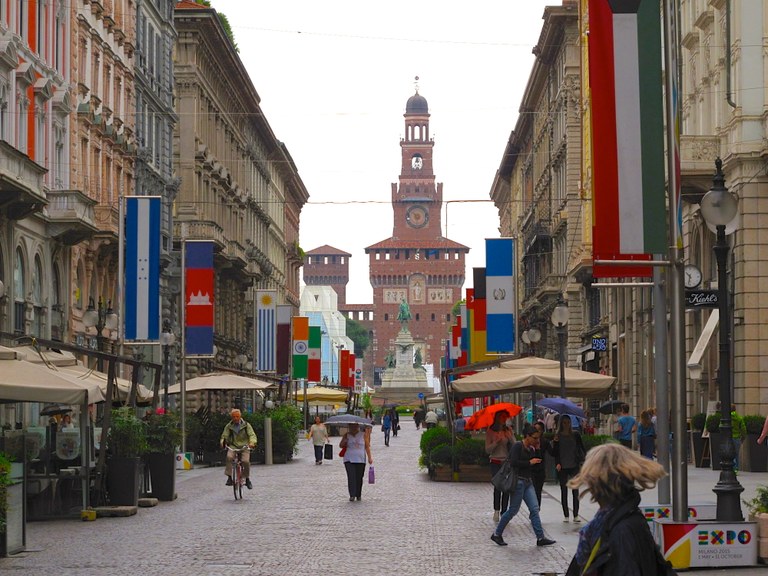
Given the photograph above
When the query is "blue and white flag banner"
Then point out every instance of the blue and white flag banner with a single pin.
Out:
(142, 268)
(266, 330)
(500, 295)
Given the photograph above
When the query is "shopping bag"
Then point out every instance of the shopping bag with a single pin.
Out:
(371, 476)
(328, 452)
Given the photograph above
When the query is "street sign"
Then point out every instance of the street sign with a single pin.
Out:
(421, 395)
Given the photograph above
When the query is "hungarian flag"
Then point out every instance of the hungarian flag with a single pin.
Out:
(313, 366)
(625, 79)
(300, 347)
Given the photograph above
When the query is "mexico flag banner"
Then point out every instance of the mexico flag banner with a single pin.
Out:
(625, 79)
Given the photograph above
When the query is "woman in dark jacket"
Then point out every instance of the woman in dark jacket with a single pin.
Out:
(539, 471)
(619, 534)
(569, 452)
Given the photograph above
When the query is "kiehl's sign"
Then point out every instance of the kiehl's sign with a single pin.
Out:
(701, 299)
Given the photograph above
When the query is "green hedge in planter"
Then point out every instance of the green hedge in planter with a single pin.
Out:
(471, 451)
(434, 437)
(287, 420)
(127, 434)
(163, 433)
(698, 421)
(713, 423)
(5, 480)
(442, 454)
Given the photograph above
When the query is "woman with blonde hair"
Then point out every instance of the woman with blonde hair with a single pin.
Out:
(617, 541)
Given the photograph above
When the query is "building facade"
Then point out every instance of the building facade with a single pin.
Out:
(417, 264)
(236, 180)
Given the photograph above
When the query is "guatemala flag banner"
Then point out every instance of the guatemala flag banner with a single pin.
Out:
(500, 295)
(142, 268)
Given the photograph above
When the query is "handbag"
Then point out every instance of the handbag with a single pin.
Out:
(505, 480)
(342, 452)
(371, 476)
(328, 452)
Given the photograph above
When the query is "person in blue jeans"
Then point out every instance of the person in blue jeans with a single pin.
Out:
(386, 427)
(521, 455)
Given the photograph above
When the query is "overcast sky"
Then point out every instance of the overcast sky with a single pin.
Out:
(334, 78)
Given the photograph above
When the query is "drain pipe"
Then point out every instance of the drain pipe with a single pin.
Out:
(728, 95)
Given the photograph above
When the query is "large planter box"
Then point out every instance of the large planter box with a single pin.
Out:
(123, 481)
(755, 456)
(466, 473)
(162, 475)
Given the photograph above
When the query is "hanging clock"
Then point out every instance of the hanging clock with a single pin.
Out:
(417, 216)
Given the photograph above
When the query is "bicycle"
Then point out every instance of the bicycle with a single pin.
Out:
(238, 481)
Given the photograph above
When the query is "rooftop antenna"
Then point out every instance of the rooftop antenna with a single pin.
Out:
(416, 84)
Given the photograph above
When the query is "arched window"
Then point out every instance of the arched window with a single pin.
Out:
(37, 298)
(18, 293)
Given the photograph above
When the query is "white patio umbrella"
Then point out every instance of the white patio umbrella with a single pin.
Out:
(222, 381)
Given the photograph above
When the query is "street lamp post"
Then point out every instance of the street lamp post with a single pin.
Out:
(167, 339)
(560, 319)
(531, 337)
(718, 208)
(100, 318)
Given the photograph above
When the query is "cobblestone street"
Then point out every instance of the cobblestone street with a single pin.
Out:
(298, 521)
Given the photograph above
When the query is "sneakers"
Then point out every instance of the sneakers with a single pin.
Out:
(576, 519)
(229, 481)
(248, 484)
(496, 515)
(351, 498)
(565, 519)
(498, 539)
(544, 542)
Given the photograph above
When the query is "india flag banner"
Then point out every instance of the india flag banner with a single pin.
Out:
(266, 330)
(300, 325)
(500, 295)
(142, 268)
(313, 363)
(625, 79)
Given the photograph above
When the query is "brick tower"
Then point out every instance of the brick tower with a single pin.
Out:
(328, 266)
(417, 263)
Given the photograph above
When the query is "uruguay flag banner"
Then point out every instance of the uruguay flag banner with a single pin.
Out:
(142, 268)
(266, 330)
(500, 295)
(198, 298)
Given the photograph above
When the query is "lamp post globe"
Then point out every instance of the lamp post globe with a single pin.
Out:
(718, 208)
(559, 319)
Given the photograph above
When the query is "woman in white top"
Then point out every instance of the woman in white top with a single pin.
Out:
(318, 435)
(358, 445)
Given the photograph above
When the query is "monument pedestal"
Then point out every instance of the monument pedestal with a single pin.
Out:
(404, 374)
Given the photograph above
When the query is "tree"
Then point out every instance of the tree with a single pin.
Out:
(224, 23)
(456, 310)
(359, 335)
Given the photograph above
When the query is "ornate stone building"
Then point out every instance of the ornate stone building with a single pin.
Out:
(417, 263)
(239, 185)
(40, 216)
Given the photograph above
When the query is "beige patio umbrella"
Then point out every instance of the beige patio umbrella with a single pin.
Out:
(531, 374)
(23, 381)
(319, 395)
(222, 381)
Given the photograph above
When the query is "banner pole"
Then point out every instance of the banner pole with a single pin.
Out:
(183, 375)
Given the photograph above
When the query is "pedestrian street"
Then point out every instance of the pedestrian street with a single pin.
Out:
(298, 521)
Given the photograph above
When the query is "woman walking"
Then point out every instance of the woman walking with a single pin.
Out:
(318, 435)
(386, 427)
(358, 445)
(498, 440)
(539, 471)
(617, 541)
(568, 449)
(521, 455)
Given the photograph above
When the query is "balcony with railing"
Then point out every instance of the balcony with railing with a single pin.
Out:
(201, 230)
(697, 164)
(21, 183)
(71, 215)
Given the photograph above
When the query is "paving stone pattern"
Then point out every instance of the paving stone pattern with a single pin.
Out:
(298, 521)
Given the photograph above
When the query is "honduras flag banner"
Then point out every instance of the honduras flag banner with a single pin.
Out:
(142, 268)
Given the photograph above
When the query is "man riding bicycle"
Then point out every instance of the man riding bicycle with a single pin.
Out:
(238, 434)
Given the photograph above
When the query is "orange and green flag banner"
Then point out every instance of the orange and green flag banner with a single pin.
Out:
(625, 79)
(300, 341)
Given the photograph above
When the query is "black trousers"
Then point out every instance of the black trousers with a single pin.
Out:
(563, 476)
(355, 473)
(538, 484)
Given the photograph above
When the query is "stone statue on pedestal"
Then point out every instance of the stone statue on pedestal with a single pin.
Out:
(403, 315)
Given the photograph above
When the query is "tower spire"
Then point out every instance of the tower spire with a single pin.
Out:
(416, 84)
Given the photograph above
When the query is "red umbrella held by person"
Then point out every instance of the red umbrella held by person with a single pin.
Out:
(484, 418)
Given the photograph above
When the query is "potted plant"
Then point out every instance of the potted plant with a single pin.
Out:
(163, 440)
(473, 460)
(756, 456)
(126, 443)
(712, 425)
(758, 511)
(697, 428)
